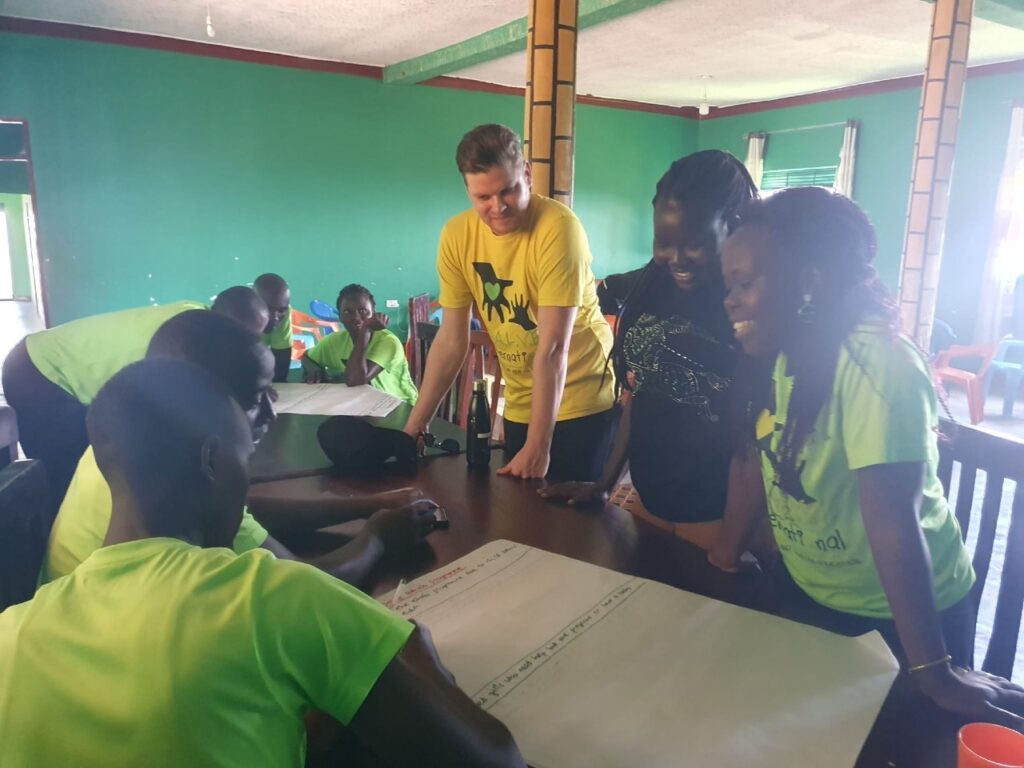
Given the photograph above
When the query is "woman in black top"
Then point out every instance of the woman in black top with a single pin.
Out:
(674, 354)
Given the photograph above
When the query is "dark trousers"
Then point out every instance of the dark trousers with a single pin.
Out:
(579, 447)
(51, 422)
(958, 621)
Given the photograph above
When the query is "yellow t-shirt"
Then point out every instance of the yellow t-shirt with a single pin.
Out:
(545, 264)
(159, 653)
(83, 355)
(84, 516)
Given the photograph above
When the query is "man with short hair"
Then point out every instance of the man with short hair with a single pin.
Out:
(165, 648)
(238, 359)
(244, 305)
(524, 261)
(277, 333)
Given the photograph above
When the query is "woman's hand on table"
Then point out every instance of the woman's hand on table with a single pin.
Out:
(530, 462)
(313, 376)
(399, 497)
(401, 529)
(575, 493)
(977, 696)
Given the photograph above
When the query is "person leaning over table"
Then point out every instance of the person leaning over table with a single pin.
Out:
(675, 354)
(847, 437)
(51, 376)
(277, 333)
(165, 648)
(237, 358)
(524, 261)
(364, 353)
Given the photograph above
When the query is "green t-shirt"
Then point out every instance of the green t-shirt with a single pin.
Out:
(333, 351)
(81, 524)
(281, 335)
(882, 411)
(162, 654)
(83, 355)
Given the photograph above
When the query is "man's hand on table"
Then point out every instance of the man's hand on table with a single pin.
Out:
(530, 462)
(401, 529)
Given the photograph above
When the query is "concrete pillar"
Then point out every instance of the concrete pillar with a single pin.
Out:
(933, 165)
(549, 125)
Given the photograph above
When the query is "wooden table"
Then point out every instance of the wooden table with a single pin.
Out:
(290, 447)
(909, 733)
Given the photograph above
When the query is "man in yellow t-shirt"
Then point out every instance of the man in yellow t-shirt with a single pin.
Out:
(277, 334)
(165, 648)
(524, 261)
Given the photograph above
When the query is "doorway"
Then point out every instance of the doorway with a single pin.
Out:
(21, 278)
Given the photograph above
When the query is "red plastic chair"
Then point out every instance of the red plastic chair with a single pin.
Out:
(314, 326)
(972, 382)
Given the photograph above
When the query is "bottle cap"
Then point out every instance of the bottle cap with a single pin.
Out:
(480, 385)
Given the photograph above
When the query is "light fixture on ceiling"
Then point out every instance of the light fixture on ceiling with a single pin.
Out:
(210, 31)
(704, 108)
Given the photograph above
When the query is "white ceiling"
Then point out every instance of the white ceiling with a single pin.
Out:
(755, 50)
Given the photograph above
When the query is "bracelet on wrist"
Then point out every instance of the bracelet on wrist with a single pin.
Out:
(930, 664)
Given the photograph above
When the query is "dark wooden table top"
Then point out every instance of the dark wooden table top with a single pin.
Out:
(290, 448)
(909, 733)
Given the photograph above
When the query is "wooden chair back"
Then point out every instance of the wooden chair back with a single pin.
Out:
(26, 515)
(419, 312)
(481, 359)
(1002, 460)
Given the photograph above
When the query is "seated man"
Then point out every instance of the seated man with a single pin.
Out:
(277, 333)
(364, 353)
(166, 648)
(241, 362)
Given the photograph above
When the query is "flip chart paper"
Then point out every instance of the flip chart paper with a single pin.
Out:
(333, 400)
(590, 668)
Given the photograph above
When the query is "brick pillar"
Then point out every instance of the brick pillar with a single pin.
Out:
(941, 96)
(550, 120)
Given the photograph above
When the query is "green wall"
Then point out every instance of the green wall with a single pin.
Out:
(161, 176)
(13, 206)
(888, 126)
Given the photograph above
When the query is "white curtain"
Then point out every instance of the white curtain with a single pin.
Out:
(847, 160)
(1004, 261)
(755, 156)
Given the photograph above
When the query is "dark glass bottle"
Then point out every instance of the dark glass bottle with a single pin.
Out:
(478, 427)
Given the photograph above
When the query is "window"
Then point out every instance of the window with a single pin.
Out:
(784, 178)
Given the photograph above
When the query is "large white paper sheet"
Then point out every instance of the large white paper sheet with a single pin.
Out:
(590, 668)
(333, 400)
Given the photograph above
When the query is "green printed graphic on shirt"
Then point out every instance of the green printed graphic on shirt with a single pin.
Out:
(882, 410)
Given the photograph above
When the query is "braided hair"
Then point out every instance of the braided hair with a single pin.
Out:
(705, 184)
(355, 290)
(809, 230)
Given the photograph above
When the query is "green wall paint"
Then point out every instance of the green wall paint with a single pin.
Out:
(161, 176)
(14, 208)
(888, 126)
(884, 153)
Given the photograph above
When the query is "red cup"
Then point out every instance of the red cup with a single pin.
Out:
(984, 745)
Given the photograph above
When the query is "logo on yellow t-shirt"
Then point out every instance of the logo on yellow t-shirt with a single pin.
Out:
(495, 300)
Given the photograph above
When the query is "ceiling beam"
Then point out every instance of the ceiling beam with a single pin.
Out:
(500, 41)
(1009, 13)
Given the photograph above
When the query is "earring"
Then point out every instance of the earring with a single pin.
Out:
(807, 311)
